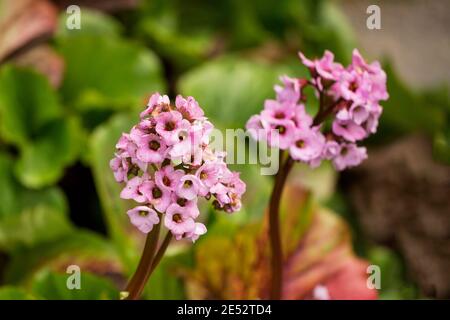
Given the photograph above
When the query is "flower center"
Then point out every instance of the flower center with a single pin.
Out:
(203, 175)
(353, 86)
(154, 145)
(358, 109)
(300, 144)
(167, 181)
(281, 129)
(143, 213)
(279, 115)
(187, 184)
(177, 218)
(181, 202)
(156, 193)
(170, 125)
(344, 151)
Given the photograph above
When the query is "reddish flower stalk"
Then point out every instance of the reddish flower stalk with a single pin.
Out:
(274, 229)
(144, 269)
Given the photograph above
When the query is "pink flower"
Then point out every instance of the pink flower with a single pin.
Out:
(281, 134)
(122, 144)
(189, 147)
(188, 187)
(220, 192)
(228, 192)
(255, 127)
(324, 67)
(290, 91)
(327, 68)
(143, 218)
(331, 149)
(158, 197)
(132, 190)
(208, 175)
(178, 221)
(190, 206)
(371, 123)
(350, 155)
(189, 108)
(169, 124)
(349, 97)
(151, 149)
(359, 113)
(348, 130)
(199, 230)
(167, 162)
(119, 166)
(301, 119)
(274, 110)
(349, 86)
(155, 100)
(167, 177)
(308, 145)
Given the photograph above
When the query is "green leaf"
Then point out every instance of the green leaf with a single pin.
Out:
(441, 146)
(179, 31)
(394, 283)
(27, 104)
(230, 89)
(28, 217)
(102, 148)
(337, 34)
(14, 198)
(92, 23)
(107, 72)
(38, 224)
(53, 286)
(42, 163)
(14, 293)
(89, 251)
(32, 118)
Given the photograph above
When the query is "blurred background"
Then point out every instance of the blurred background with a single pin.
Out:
(67, 94)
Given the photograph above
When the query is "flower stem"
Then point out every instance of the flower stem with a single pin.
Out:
(145, 266)
(274, 229)
(162, 249)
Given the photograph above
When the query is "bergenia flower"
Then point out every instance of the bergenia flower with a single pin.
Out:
(350, 98)
(143, 218)
(348, 112)
(166, 165)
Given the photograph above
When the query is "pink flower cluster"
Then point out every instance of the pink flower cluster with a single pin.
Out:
(167, 164)
(348, 97)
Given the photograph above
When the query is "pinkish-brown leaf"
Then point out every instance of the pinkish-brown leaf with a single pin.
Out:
(317, 249)
(25, 23)
(44, 60)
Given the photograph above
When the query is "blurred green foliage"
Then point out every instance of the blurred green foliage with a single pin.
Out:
(228, 55)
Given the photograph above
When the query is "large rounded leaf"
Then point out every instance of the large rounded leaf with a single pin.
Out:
(53, 286)
(28, 217)
(87, 250)
(27, 104)
(43, 162)
(231, 89)
(107, 72)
